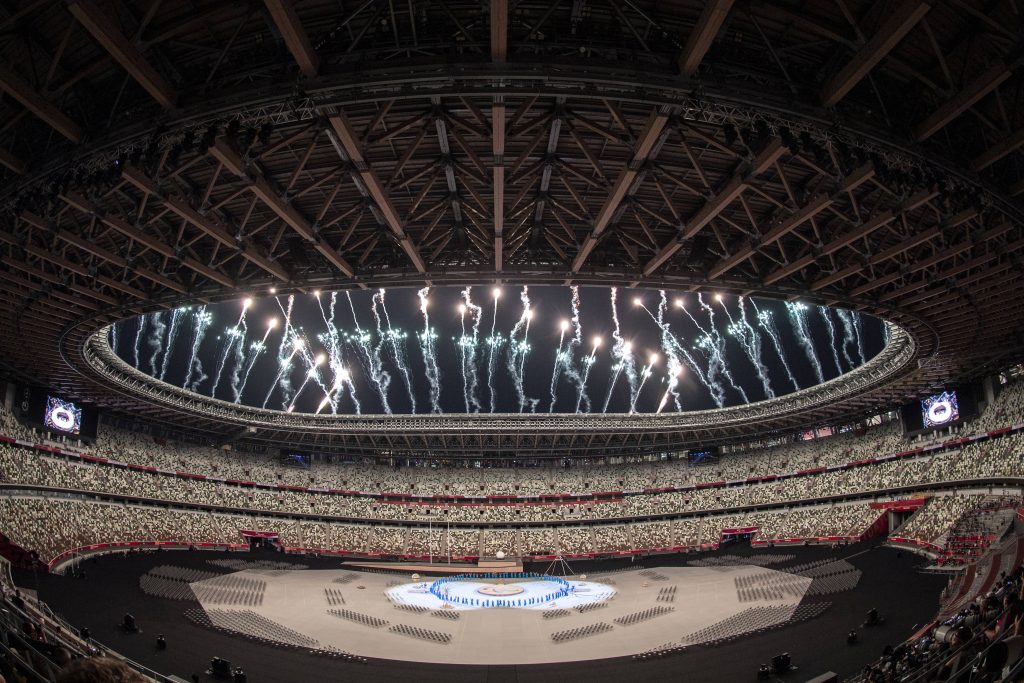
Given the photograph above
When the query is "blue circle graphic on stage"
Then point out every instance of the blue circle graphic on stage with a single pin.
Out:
(515, 590)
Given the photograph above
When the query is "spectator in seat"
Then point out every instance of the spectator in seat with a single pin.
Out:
(99, 670)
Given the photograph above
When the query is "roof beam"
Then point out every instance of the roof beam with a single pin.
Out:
(100, 25)
(998, 150)
(151, 242)
(733, 188)
(12, 162)
(259, 186)
(897, 24)
(817, 204)
(184, 210)
(499, 30)
(642, 151)
(703, 34)
(91, 247)
(349, 144)
(51, 278)
(47, 255)
(498, 150)
(786, 225)
(295, 36)
(962, 101)
(56, 293)
(18, 88)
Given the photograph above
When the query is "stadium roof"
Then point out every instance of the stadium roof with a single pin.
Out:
(858, 153)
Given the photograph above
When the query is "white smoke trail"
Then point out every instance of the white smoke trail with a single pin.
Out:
(472, 348)
(764, 319)
(380, 376)
(678, 356)
(172, 334)
(398, 351)
(239, 365)
(195, 366)
(858, 328)
(719, 346)
(283, 358)
(463, 341)
(554, 369)
(428, 349)
(256, 350)
(831, 327)
(360, 342)
(569, 366)
(494, 343)
(517, 352)
(156, 339)
(622, 352)
(588, 363)
(235, 337)
(750, 342)
(798, 316)
(846, 321)
(706, 345)
(139, 331)
(332, 342)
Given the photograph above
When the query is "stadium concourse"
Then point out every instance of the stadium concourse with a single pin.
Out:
(511, 340)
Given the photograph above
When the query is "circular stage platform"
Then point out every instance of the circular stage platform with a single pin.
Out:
(519, 590)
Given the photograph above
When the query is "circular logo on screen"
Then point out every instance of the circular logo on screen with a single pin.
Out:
(62, 418)
(940, 412)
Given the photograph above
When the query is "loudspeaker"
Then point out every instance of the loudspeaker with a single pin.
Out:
(220, 667)
(781, 663)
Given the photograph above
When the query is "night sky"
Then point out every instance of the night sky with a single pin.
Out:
(550, 307)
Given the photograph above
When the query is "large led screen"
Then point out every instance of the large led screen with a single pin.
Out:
(940, 409)
(62, 416)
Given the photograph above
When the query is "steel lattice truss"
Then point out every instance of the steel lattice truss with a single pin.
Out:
(836, 151)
